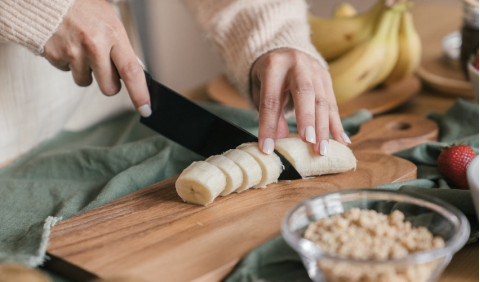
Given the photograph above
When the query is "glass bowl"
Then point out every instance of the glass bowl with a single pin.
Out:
(440, 218)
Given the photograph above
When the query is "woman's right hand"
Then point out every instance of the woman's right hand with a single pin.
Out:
(92, 38)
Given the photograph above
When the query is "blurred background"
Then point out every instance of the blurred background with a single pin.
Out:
(175, 50)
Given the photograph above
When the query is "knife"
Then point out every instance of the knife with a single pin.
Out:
(197, 129)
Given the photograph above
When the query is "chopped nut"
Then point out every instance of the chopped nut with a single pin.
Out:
(367, 234)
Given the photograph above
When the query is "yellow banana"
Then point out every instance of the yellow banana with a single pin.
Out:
(391, 56)
(353, 73)
(335, 36)
(410, 50)
(344, 10)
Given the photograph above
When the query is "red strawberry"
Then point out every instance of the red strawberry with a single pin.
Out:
(453, 162)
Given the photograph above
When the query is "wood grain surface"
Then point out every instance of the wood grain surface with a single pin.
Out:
(152, 233)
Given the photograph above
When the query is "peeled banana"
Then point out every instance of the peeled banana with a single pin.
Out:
(302, 156)
(202, 181)
(232, 171)
(251, 170)
(335, 36)
(271, 165)
(410, 50)
(354, 73)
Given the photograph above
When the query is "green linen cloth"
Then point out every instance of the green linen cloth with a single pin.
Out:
(276, 261)
(77, 171)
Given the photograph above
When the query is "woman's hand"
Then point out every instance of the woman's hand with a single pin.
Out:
(285, 74)
(92, 38)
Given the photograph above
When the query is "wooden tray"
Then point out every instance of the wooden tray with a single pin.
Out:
(152, 234)
(444, 78)
(377, 101)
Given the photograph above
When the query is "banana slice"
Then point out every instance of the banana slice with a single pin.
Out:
(200, 183)
(301, 155)
(271, 165)
(232, 171)
(251, 170)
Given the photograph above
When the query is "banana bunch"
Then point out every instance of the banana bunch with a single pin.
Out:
(246, 167)
(379, 46)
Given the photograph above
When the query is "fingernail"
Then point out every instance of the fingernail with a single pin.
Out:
(324, 147)
(268, 146)
(345, 138)
(141, 63)
(145, 110)
(310, 134)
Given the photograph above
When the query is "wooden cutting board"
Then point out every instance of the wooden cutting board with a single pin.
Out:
(153, 235)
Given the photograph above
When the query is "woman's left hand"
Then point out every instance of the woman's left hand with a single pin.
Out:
(284, 74)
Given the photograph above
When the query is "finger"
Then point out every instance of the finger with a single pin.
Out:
(321, 119)
(303, 94)
(336, 127)
(131, 72)
(270, 109)
(106, 75)
(53, 57)
(282, 127)
(61, 65)
(81, 72)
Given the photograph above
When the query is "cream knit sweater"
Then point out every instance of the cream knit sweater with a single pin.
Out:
(30, 112)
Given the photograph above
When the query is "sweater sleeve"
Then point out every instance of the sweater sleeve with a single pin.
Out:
(243, 30)
(31, 23)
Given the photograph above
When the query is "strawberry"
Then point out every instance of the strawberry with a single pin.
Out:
(453, 162)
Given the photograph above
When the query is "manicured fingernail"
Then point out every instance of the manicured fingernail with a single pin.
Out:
(141, 63)
(268, 146)
(310, 134)
(145, 110)
(324, 147)
(345, 138)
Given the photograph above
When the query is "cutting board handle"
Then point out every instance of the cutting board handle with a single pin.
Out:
(393, 133)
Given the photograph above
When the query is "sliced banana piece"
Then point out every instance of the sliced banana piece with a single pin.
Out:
(200, 183)
(271, 165)
(232, 171)
(251, 170)
(302, 156)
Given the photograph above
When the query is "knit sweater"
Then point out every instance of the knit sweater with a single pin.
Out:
(243, 30)
(240, 30)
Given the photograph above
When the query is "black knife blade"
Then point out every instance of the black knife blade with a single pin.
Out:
(195, 128)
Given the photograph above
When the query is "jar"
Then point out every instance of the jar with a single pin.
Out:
(469, 33)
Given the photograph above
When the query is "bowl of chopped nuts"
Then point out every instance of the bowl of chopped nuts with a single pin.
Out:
(375, 235)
